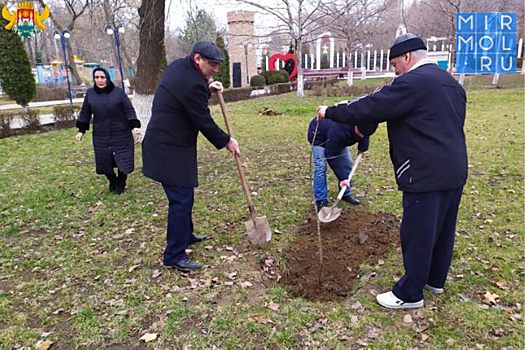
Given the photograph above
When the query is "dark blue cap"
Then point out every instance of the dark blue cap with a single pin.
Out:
(209, 51)
(406, 43)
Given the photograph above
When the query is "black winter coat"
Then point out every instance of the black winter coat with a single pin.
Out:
(113, 119)
(333, 137)
(425, 114)
(180, 111)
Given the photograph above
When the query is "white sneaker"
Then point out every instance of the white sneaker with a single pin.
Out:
(390, 301)
(434, 289)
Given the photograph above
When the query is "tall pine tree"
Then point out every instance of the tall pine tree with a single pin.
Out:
(15, 70)
(224, 69)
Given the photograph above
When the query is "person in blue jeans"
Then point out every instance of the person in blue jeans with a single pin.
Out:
(330, 145)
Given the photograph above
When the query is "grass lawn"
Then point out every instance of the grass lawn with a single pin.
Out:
(82, 268)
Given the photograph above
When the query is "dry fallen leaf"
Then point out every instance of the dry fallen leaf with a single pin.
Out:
(44, 345)
(490, 298)
(274, 306)
(156, 274)
(356, 305)
(502, 285)
(133, 268)
(424, 337)
(407, 319)
(245, 284)
(148, 337)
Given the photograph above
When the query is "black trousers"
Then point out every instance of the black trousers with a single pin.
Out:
(427, 239)
(180, 224)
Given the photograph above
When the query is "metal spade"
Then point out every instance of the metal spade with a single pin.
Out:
(329, 214)
(258, 228)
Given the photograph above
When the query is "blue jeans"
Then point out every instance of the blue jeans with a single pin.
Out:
(320, 185)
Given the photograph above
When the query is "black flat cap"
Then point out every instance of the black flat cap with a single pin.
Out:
(406, 43)
(209, 51)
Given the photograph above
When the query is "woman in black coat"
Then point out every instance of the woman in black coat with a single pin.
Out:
(114, 125)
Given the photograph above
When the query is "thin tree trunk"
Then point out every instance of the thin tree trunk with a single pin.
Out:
(30, 52)
(110, 18)
(128, 60)
(298, 54)
(71, 63)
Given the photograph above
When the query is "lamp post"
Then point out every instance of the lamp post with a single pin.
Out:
(66, 34)
(246, 47)
(110, 30)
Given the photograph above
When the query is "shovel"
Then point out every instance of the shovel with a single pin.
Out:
(327, 214)
(258, 228)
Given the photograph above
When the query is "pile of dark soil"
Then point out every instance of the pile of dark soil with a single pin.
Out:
(355, 237)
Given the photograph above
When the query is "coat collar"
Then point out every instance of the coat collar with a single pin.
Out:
(422, 62)
(192, 58)
(109, 87)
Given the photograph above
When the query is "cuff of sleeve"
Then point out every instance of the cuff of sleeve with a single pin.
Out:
(134, 123)
(82, 127)
(328, 113)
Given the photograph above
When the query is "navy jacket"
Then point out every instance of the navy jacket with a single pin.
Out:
(180, 111)
(334, 137)
(113, 119)
(425, 114)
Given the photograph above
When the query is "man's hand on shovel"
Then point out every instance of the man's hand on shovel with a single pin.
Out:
(233, 147)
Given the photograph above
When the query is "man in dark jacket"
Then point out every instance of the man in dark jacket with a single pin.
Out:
(169, 150)
(424, 108)
(330, 141)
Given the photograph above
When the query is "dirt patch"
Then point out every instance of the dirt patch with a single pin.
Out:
(355, 237)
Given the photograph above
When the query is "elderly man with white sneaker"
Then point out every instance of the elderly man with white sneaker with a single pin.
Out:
(424, 108)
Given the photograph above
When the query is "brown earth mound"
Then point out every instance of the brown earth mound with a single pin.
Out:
(355, 237)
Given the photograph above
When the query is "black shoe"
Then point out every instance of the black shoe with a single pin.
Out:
(321, 203)
(352, 200)
(185, 265)
(112, 185)
(112, 182)
(198, 239)
(120, 184)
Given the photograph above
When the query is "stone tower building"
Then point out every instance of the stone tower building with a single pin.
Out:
(241, 47)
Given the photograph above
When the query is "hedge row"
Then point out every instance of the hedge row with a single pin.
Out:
(244, 93)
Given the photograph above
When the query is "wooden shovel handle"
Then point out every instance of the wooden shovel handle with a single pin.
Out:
(354, 167)
(237, 159)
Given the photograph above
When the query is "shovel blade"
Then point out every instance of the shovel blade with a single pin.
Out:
(260, 233)
(329, 214)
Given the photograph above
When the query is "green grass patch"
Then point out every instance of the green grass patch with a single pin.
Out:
(85, 265)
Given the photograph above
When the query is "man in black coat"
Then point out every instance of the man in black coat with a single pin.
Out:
(169, 150)
(424, 108)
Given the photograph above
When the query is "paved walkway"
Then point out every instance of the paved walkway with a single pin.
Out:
(42, 104)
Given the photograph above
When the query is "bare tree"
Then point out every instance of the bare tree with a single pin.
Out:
(359, 23)
(295, 18)
(121, 13)
(438, 17)
(75, 9)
